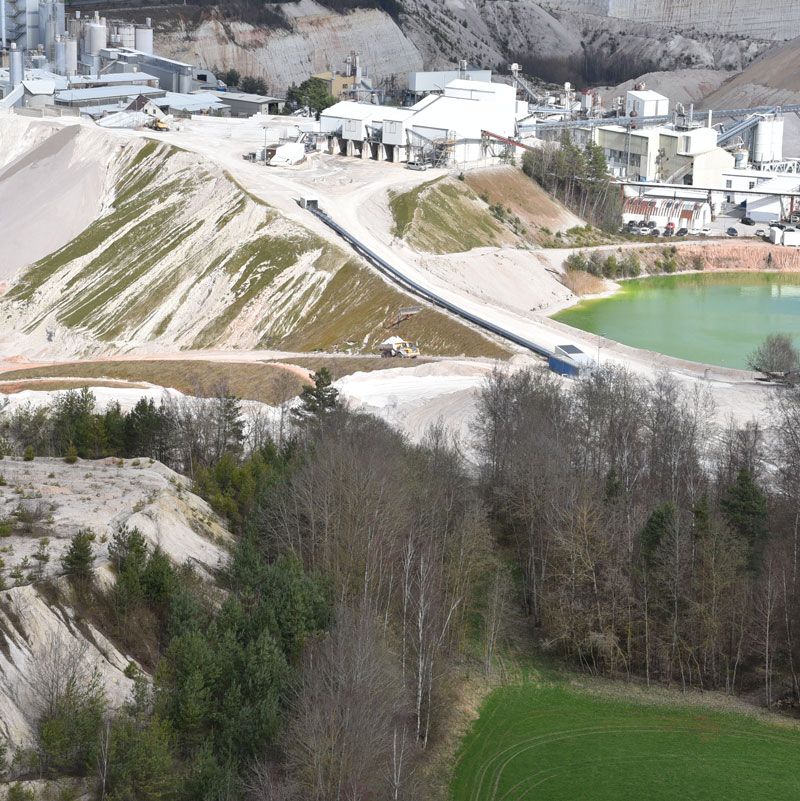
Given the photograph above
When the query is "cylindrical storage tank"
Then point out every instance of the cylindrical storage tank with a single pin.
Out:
(15, 71)
(61, 56)
(52, 32)
(71, 56)
(185, 84)
(127, 35)
(740, 158)
(777, 139)
(144, 39)
(97, 38)
(768, 141)
(61, 18)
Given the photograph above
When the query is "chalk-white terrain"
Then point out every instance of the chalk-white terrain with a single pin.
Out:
(47, 501)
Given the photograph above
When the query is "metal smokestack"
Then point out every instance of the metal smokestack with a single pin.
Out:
(3, 24)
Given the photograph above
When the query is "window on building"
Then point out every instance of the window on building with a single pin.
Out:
(752, 184)
(728, 184)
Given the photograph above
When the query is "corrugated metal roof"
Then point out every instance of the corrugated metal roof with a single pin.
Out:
(102, 92)
(111, 78)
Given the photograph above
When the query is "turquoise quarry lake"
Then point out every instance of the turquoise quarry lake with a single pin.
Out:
(716, 318)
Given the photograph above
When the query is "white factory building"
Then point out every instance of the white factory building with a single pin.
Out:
(646, 103)
(690, 210)
(441, 128)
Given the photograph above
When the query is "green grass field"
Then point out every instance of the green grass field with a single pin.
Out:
(558, 744)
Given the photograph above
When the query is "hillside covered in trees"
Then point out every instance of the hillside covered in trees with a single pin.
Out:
(608, 523)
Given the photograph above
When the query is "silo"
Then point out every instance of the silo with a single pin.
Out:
(61, 56)
(61, 18)
(51, 31)
(768, 140)
(71, 56)
(97, 38)
(143, 40)
(127, 35)
(15, 71)
(185, 83)
(74, 25)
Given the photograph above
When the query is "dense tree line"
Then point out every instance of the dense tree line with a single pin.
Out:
(184, 433)
(649, 540)
(578, 177)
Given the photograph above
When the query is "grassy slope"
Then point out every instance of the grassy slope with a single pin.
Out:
(134, 274)
(370, 304)
(556, 743)
(445, 216)
(262, 382)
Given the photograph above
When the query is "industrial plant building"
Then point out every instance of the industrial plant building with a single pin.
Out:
(442, 129)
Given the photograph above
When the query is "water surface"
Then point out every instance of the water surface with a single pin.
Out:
(717, 318)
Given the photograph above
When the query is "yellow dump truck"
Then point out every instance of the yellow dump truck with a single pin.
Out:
(394, 346)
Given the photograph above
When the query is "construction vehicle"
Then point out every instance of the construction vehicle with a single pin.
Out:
(396, 347)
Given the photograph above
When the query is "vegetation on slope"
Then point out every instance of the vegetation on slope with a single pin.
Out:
(188, 258)
(446, 216)
(578, 177)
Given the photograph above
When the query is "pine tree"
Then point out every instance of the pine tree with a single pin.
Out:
(320, 398)
(744, 506)
(79, 559)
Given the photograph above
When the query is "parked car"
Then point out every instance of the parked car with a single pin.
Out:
(732, 231)
(682, 232)
(748, 221)
(706, 231)
(695, 231)
(651, 223)
(417, 165)
(760, 232)
(655, 232)
(776, 224)
(644, 231)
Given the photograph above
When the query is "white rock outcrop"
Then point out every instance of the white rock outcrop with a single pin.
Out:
(65, 498)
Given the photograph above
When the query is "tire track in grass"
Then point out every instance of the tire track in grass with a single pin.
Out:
(527, 745)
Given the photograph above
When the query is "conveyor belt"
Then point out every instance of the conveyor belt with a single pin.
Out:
(410, 285)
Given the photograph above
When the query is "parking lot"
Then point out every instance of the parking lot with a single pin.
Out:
(730, 218)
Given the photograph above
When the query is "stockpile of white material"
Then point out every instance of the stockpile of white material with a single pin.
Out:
(52, 180)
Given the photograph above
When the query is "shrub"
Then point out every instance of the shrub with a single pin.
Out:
(71, 455)
(576, 261)
(29, 454)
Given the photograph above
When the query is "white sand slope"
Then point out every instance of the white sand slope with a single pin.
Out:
(50, 192)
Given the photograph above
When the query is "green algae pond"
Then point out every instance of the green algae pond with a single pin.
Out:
(715, 318)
